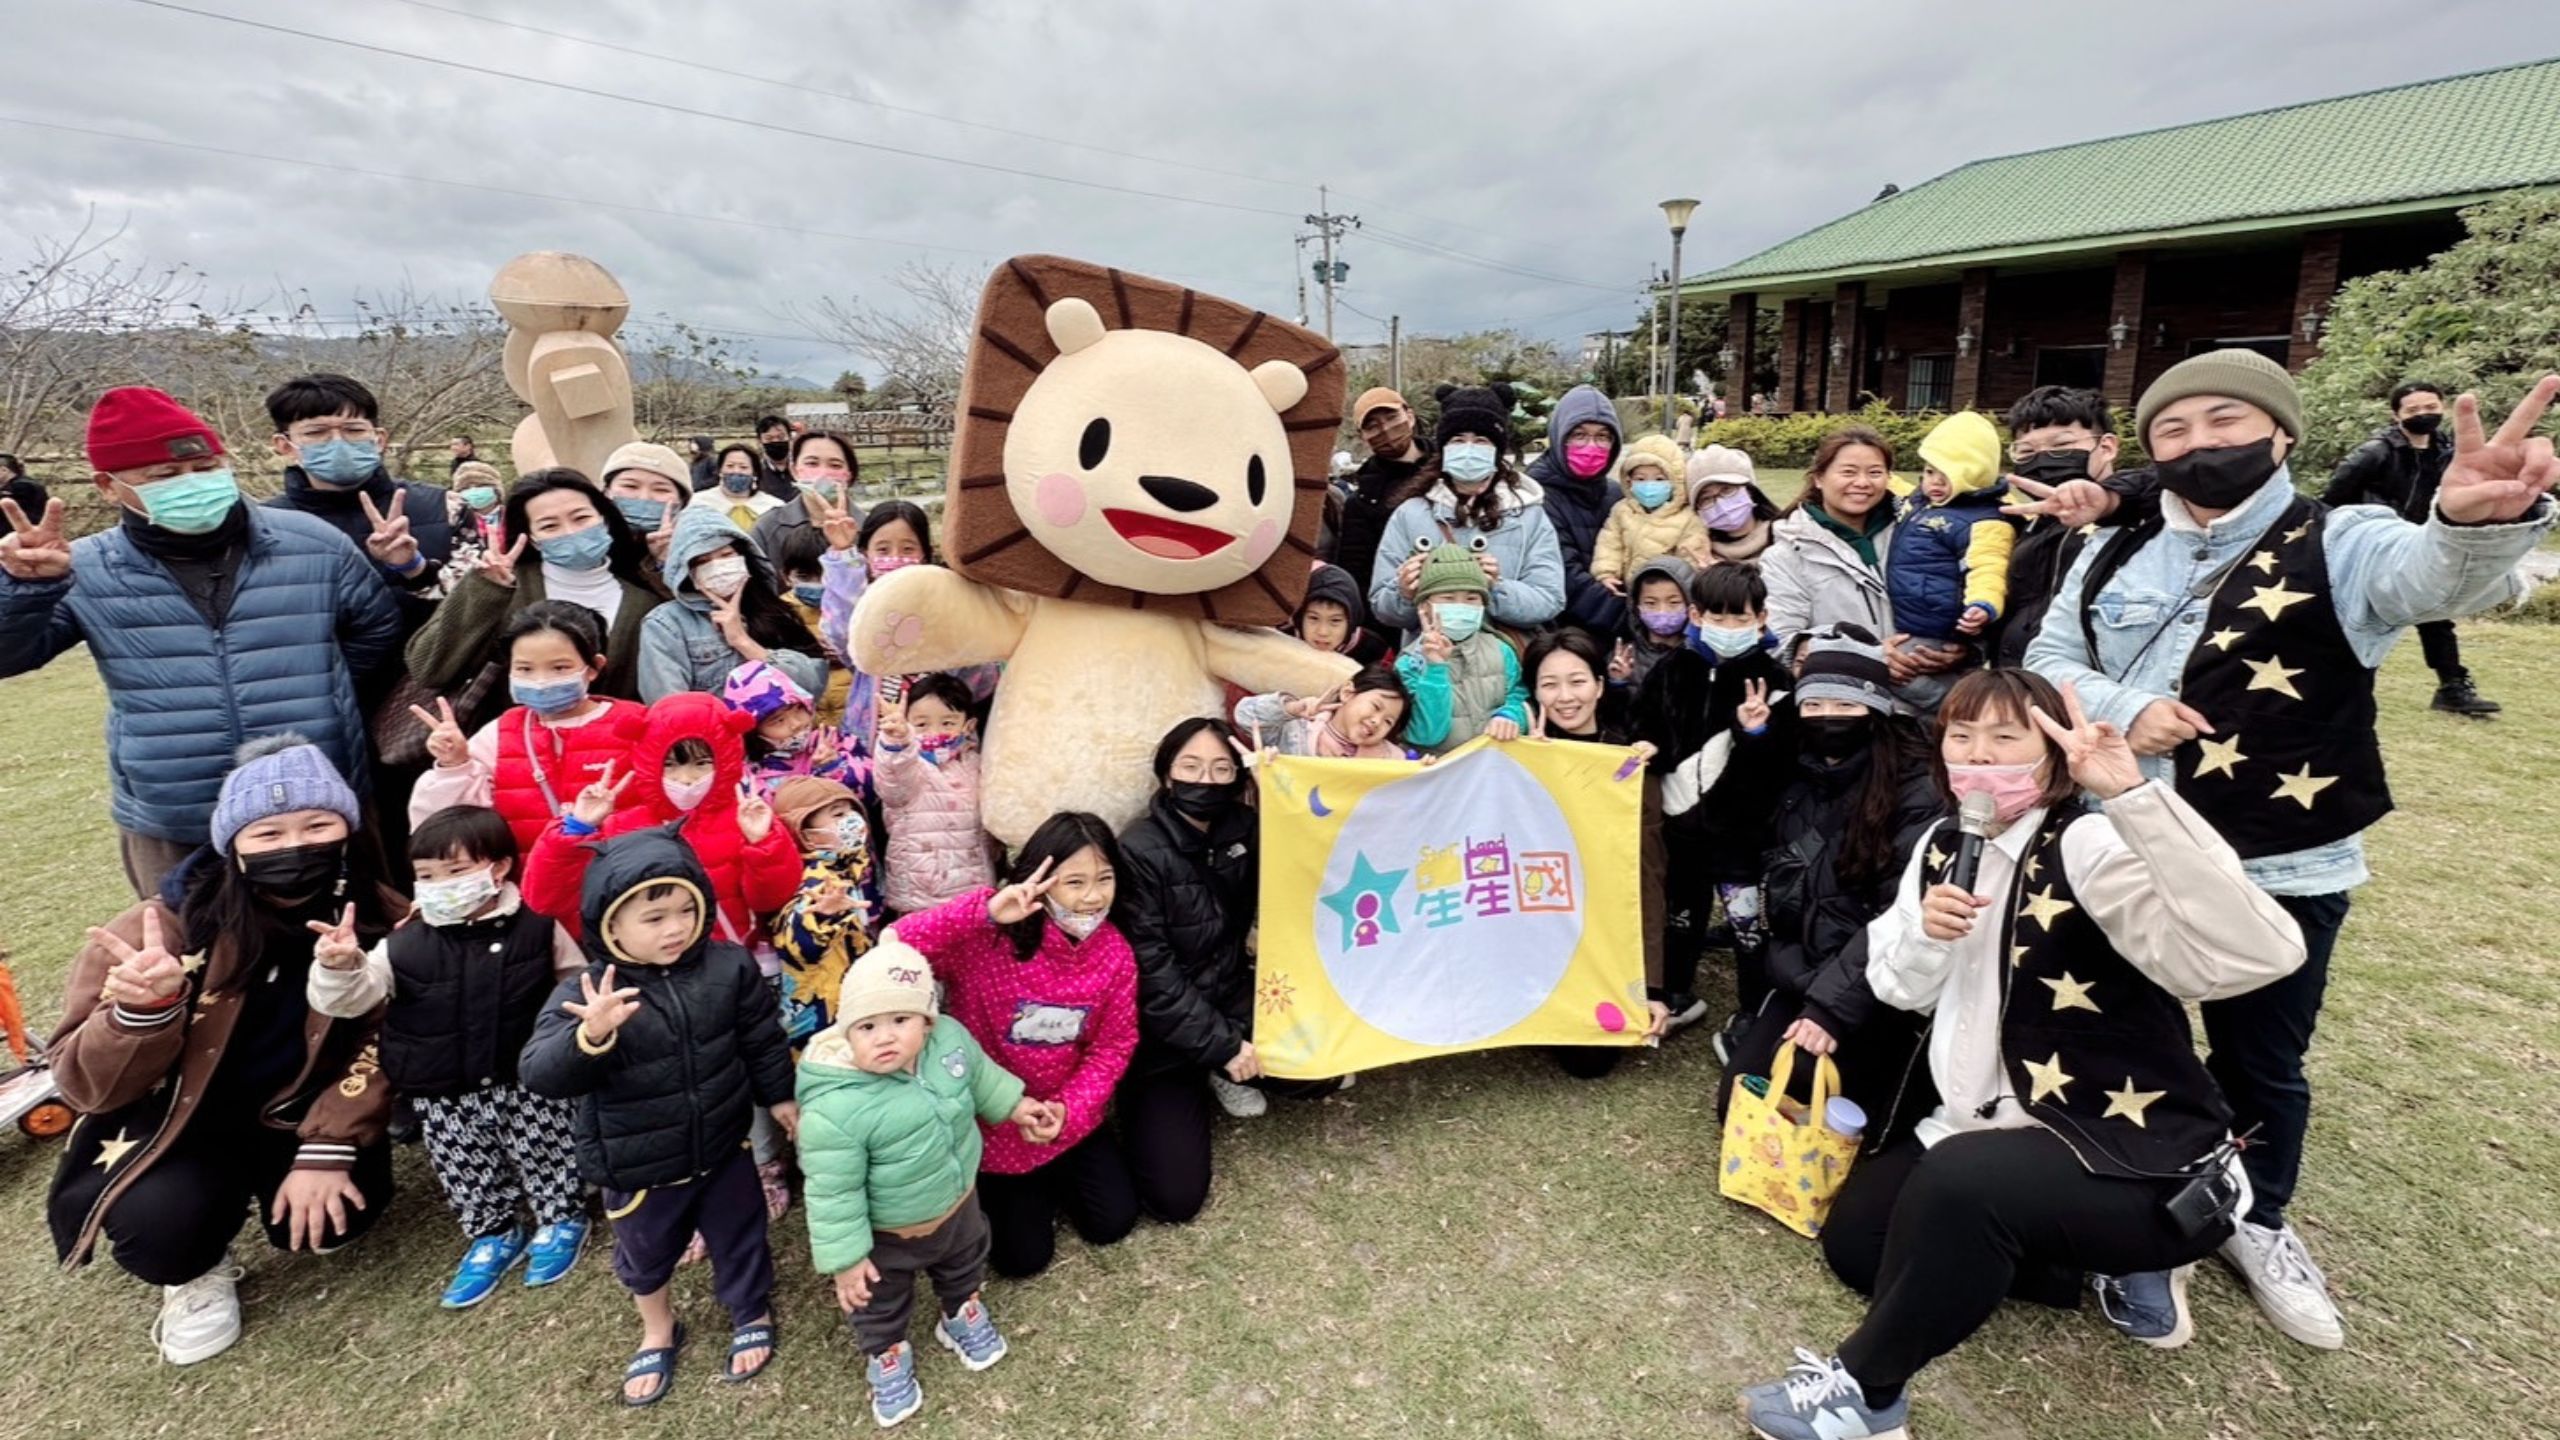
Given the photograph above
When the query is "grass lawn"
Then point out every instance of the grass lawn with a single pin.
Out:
(1467, 1247)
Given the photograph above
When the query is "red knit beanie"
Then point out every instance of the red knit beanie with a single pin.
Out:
(135, 426)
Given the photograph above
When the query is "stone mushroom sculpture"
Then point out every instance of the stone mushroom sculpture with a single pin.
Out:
(562, 311)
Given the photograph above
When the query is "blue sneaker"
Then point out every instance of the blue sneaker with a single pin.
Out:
(483, 1266)
(2150, 1307)
(969, 1334)
(555, 1248)
(1818, 1400)
(895, 1395)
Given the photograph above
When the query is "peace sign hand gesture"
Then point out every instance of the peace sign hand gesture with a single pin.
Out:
(1753, 713)
(657, 539)
(499, 566)
(1248, 750)
(34, 550)
(142, 979)
(391, 545)
(601, 1008)
(1019, 902)
(1316, 707)
(1622, 662)
(2100, 758)
(834, 520)
(755, 814)
(1436, 646)
(445, 740)
(2494, 481)
(337, 948)
(595, 803)
(2073, 503)
(889, 725)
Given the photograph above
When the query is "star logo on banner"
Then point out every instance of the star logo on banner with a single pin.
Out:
(2302, 786)
(2223, 640)
(111, 1151)
(2219, 757)
(2273, 674)
(1365, 881)
(2271, 600)
(2264, 562)
(2048, 1078)
(2070, 994)
(2044, 909)
(2130, 1103)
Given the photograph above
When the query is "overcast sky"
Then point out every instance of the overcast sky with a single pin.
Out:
(1538, 136)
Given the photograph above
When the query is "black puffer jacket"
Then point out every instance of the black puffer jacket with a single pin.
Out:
(1186, 902)
(1685, 702)
(673, 1093)
(464, 1000)
(1813, 918)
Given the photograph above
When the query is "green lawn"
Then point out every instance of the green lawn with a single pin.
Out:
(1469, 1247)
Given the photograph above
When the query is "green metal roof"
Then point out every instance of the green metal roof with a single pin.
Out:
(2377, 152)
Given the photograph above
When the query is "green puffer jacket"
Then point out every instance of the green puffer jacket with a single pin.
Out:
(892, 1150)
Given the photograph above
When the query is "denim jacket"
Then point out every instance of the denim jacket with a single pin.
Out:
(2385, 575)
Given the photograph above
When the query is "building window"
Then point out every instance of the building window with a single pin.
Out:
(2081, 367)
(1933, 383)
(2274, 347)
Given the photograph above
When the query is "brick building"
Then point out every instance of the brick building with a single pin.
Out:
(2104, 263)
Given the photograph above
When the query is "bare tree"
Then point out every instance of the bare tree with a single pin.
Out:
(923, 343)
(75, 319)
(685, 382)
(437, 365)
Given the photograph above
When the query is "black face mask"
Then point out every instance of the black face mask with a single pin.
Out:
(2422, 424)
(2055, 466)
(2222, 477)
(297, 872)
(1201, 801)
(777, 449)
(1837, 737)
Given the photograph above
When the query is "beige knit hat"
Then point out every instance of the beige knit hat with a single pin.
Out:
(1658, 451)
(2240, 374)
(1720, 465)
(892, 977)
(647, 455)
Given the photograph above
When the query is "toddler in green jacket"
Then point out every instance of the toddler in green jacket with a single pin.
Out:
(890, 1099)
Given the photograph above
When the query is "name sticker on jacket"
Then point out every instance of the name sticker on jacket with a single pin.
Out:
(1038, 1024)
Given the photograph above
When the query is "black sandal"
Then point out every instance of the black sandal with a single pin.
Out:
(659, 1360)
(758, 1336)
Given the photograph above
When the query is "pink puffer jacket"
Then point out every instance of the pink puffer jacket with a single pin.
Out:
(937, 851)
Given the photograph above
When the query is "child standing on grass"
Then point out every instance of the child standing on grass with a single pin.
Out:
(1463, 678)
(465, 988)
(668, 1040)
(925, 768)
(891, 1154)
(836, 915)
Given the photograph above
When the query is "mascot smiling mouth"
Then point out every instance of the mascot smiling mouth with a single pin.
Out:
(1167, 538)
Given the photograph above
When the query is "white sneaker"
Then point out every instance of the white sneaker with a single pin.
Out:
(1242, 1101)
(2288, 1286)
(200, 1319)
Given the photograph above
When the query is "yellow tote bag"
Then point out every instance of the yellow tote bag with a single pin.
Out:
(1779, 1158)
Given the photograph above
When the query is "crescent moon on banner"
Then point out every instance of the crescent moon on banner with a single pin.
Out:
(1315, 802)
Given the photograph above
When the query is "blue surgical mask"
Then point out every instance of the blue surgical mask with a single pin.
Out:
(1461, 622)
(1651, 493)
(809, 595)
(586, 549)
(189, 504)
(1468, 463)
(642, 512)
(551, 698)
(733, 483)
(341, 462)
(481, 498)
(1728, 644)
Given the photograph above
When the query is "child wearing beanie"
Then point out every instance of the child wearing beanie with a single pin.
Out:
(1653, 520)
(1464, 679)
(831, 922)
(1950, 573)
(890, 1095)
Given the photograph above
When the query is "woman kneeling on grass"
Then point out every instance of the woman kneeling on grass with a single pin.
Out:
(2077, 1131)
(186, 1041)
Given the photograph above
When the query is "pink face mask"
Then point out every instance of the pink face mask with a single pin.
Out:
(2013, 788)
(1587, 460)
(886, 563)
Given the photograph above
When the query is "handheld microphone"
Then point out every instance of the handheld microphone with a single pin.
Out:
(1974, 819)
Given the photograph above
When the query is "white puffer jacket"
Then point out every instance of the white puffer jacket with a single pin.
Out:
(1816, 579)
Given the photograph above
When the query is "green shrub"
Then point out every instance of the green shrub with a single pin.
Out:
(1790, 440)
(2541, 607)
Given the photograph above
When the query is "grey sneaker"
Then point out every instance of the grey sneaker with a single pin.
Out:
(1817, 1400)
(2150, 1307)
(2288, 1286)
(1242, 1101)
(200, 1319)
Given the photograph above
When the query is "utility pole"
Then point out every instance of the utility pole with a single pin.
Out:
(1302, 280)
(1653, 340)
(1329, 228)
(1395, 353)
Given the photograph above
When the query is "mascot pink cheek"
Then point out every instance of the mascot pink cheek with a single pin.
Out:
(1060, 499)
(1265, 538)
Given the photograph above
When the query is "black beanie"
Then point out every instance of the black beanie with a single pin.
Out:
(1476, 409)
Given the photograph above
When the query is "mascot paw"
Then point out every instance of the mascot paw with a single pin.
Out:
(898, 633)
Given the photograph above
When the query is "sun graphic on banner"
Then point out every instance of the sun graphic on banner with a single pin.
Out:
(1275, 995)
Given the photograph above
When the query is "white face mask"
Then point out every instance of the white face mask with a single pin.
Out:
(1076, 926)
(450, 902)
(721, 578)
(685, 796)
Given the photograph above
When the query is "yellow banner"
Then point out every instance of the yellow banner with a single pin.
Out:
(1490, 899)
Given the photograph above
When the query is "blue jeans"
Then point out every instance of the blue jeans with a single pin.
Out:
(2258, 1042)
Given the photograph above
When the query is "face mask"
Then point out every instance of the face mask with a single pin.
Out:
(721, 578)
(810, 595)
(2055, 466)
(1588, 460)
(1836, 737)
(687, 795)
(189, 504)
(1651, 493)
(1202, 800)
(586, 549)
(1077, 926)
(643, 513)
(2221, 477)
(827, 489)
(482, 498)
(340, 462)
(882, 565)
(1728, 513)
(938, 749)
(1461, 622)
(548, 698)
(795, 744)
(1727, 643)
(297, 872)
(777, 449)
(851, 834)
(1664, 622)
(736, 483)
(2422, 424)
(450, 902)
(1468, 464)
(2013, 787)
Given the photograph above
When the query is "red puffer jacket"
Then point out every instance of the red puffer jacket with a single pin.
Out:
(749, 879)
(538, 764)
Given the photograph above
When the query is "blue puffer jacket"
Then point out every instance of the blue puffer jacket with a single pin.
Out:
(309, 614)
(1927, 581)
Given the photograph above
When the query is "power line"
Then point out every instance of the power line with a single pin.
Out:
(1402, 241)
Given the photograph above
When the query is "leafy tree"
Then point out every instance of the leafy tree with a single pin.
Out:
(851, 385)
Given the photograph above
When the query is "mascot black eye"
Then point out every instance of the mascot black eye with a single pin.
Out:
(1253, 482)
(1422, 544)
(1095, 445)
(1478, 544)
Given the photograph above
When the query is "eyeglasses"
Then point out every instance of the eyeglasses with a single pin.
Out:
(320, 432)
(1215, 772)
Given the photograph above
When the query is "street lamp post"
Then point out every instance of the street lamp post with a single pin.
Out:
(1677, 212)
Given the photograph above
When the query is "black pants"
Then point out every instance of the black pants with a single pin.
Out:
(1164, 1131)
(1939, 1238)
(2443, 652)
(651, 1228)
(953, 1259)
(1090, 1181)
(178, 1219)
(2258, 1042)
